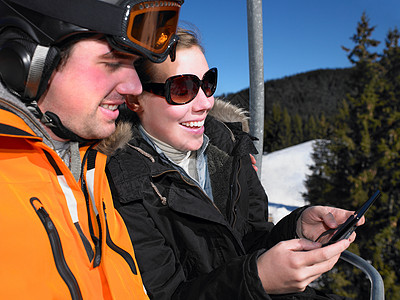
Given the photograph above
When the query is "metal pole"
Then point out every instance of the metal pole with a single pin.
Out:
(256, 68)
(377, 284)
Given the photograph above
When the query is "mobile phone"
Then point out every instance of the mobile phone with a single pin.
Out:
(347, 228)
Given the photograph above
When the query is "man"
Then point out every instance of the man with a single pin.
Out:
(65, 67)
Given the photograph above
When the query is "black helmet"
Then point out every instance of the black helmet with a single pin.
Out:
(32, 32)
(146, 28)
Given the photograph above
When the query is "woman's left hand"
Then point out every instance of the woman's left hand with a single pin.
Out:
(315, 220)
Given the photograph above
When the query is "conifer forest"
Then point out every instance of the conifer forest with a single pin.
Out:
(354, 114)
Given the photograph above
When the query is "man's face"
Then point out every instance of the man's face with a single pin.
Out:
(86, 92)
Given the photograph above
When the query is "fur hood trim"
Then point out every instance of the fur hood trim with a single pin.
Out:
(118, 140)
(226, 112)
(222, 111)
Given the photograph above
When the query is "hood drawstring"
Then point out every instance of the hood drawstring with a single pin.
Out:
(163, 199)
(144, 153)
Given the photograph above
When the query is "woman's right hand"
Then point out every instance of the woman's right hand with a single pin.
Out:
(290, 266)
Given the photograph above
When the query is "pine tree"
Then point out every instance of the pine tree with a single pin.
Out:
(272, 129)
(297, 129)
(310, 127)
(285, 135)
(386, 244)
(361, 156)
(360, 55)
(275, 129)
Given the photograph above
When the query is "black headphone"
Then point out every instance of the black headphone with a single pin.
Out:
(26, 66)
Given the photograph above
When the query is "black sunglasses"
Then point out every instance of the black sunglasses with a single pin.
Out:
(182, 89)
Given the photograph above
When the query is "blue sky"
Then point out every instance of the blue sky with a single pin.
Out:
(299, 35)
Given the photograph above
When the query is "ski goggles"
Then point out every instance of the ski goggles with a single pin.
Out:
(144, 27)
(181, 89)
(149, 28)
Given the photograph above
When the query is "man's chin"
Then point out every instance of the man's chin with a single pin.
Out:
(102, 134)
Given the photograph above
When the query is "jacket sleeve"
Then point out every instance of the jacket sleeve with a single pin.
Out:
(286, 228)
(237, 279)
(162, 272)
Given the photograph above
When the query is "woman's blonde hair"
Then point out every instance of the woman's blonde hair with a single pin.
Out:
(187, 39)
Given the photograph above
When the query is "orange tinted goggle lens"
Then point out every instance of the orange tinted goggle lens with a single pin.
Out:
(152, 24)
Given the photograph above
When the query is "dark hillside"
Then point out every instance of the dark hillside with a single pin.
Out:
(305, 94)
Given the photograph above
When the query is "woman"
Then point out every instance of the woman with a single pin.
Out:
(197, 213)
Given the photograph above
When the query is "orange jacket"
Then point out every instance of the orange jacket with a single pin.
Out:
(47, 250)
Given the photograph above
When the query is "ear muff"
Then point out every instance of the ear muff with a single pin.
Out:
(25, 66)
(14, 66)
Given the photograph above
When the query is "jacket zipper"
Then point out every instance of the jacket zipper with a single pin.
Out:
(125, 255)
(56, 247)
(85, 190)
(238, 194)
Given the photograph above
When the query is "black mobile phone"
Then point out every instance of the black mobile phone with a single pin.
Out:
(347, 228)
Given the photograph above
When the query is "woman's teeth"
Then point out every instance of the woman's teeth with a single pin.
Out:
(109, 107)
(193, 124)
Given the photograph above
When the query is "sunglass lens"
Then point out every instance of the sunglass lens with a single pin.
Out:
(209, 82)
(184, 88)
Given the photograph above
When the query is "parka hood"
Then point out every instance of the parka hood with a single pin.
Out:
(14, 105)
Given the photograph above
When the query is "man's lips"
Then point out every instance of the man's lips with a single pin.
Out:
(111, 107)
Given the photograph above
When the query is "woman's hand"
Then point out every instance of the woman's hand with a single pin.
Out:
(315, 220)
(290, 266)
(253, 162)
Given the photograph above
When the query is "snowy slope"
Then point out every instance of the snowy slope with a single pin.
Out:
(283, 174)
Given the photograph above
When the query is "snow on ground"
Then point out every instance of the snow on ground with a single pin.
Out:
(283, 174)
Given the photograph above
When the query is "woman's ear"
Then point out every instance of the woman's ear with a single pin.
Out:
(133, 103)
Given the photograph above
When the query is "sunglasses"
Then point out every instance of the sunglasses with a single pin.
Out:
(181, 89)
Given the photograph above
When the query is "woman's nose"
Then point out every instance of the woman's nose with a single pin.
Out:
(129, 82)
(202, 102)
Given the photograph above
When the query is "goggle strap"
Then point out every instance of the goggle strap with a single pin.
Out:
(172, 52)
(92, 14)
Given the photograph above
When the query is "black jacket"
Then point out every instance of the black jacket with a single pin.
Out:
(187, 246)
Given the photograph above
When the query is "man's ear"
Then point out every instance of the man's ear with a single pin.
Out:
(133, 104)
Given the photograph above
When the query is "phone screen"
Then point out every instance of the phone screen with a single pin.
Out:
(348, 227)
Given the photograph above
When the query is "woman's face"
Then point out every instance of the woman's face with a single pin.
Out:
(180, 126)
